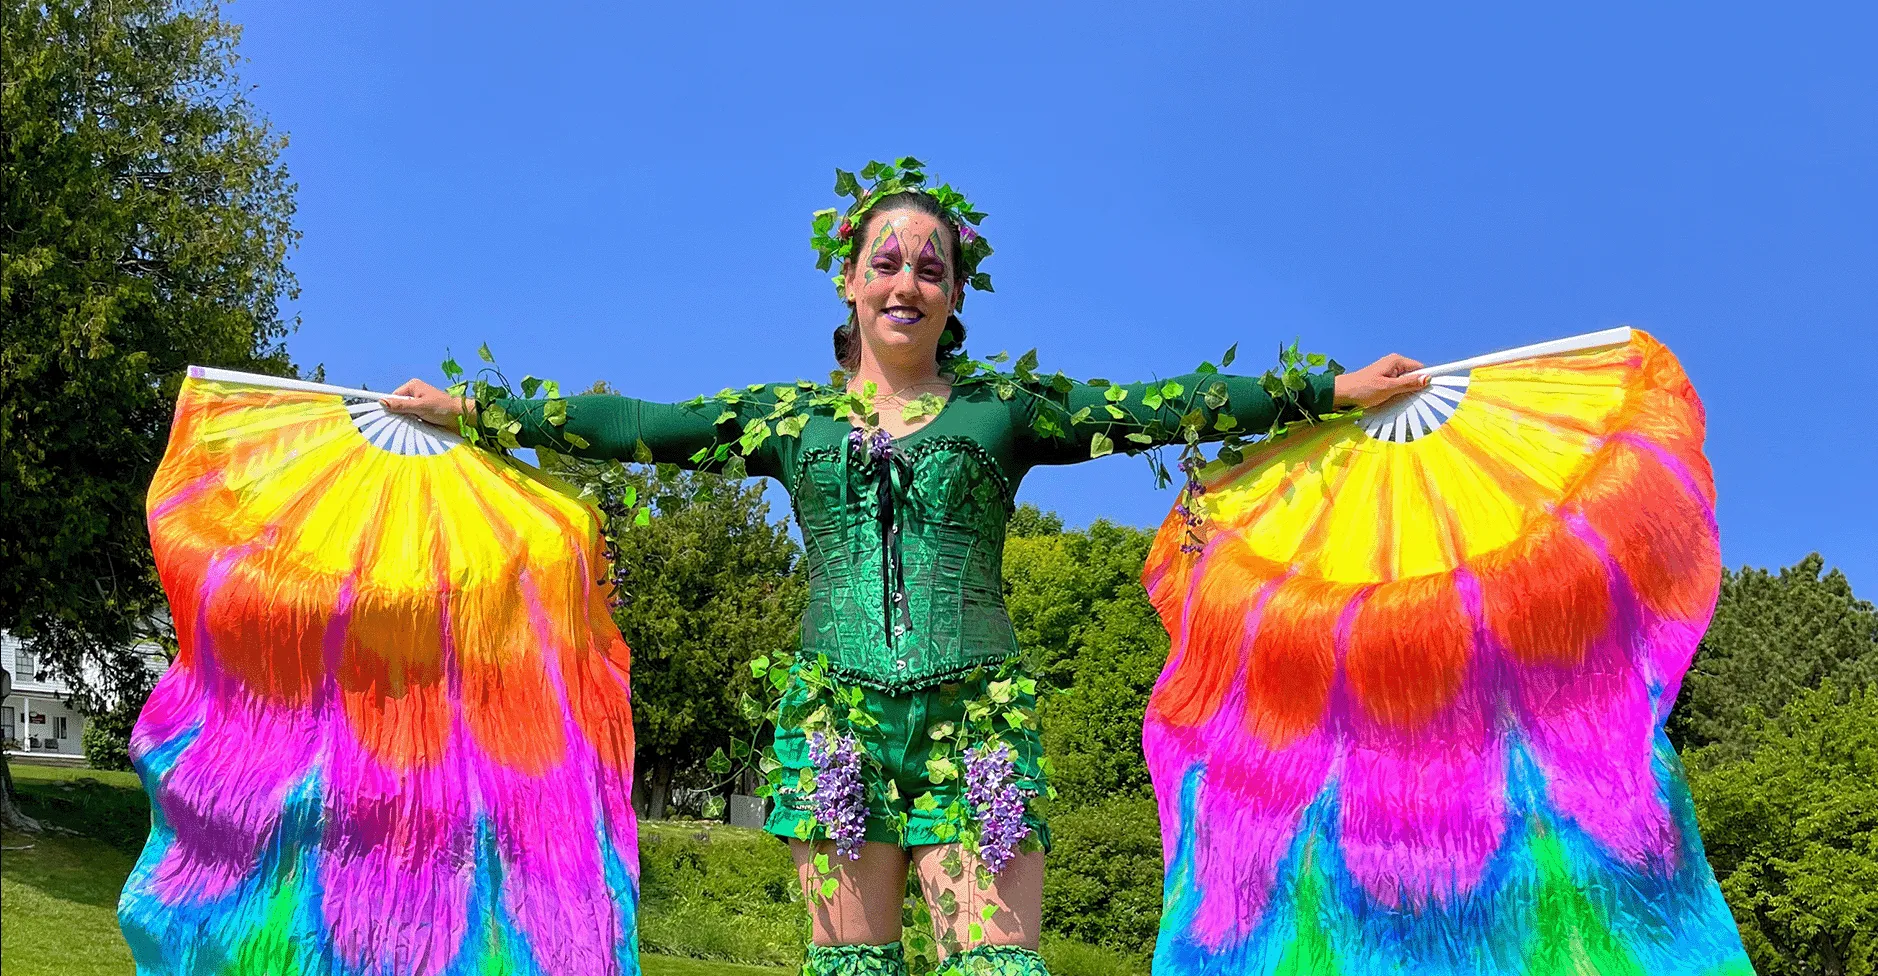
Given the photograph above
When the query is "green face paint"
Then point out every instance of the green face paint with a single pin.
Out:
(885, 250)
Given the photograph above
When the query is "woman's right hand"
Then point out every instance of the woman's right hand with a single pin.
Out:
(430, 404)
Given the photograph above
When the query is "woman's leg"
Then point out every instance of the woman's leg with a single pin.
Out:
(865, 906)
(948, 875)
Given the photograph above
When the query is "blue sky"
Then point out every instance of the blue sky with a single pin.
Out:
(604, 192)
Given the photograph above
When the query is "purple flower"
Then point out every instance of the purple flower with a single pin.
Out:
(838, 801)
(992, 792)
(967, 233)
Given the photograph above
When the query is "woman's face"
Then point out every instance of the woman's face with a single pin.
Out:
(902, 283)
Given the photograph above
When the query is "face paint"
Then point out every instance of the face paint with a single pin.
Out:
(932, 254)
(886, 246)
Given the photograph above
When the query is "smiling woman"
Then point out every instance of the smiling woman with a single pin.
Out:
(907, 735)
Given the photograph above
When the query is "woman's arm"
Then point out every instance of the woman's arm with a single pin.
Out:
(608, 427)
(1154, 411)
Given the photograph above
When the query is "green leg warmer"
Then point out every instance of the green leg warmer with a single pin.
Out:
(995, 961)
(855, 960)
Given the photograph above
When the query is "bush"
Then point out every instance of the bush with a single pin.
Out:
(1103, 882)
(107, 738)
(708, 891)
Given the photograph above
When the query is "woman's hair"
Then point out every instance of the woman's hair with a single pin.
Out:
(848, 334)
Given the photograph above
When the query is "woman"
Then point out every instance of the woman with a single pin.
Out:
(903, 515)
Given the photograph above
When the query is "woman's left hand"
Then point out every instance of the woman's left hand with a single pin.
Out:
(1379, 382)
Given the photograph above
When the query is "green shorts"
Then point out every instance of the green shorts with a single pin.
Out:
(902, 744)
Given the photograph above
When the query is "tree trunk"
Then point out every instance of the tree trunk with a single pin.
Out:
(660, 795)
(10, 816)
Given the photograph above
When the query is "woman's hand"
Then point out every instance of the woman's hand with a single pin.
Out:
(1379, 382)
(430, 404)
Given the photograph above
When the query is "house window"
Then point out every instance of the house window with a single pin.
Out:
(7, 732)
(59, 729)
(27, 666)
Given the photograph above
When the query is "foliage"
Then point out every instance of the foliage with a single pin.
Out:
(146, 225)
(701, 589)
(107, 736)
(1774, 635)
(1103, 885)
(715, 892)
(1790, 820)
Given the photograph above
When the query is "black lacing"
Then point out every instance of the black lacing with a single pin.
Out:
(891, 472)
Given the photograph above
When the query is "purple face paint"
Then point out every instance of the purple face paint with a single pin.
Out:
(885, 255)
(933, 264)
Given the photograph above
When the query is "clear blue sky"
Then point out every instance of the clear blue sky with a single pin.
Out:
(624, 194)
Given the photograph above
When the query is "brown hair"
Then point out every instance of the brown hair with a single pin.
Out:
(848, 334)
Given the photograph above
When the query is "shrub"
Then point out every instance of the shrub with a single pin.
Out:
(1103, 883)
(107, 738)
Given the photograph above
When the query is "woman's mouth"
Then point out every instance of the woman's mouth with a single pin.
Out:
(902, 314)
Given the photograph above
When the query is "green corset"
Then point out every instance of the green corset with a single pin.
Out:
(904, 550)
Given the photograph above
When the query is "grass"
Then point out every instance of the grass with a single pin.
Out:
(716, 899)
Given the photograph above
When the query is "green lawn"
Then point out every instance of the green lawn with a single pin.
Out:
(58, 894)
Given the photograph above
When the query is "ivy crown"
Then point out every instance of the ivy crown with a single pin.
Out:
(835, 229)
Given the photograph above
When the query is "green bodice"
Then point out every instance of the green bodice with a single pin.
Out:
(903, 538)
(904, 550)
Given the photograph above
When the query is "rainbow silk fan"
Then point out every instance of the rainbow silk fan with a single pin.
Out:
(397, 737)
(1412, 720)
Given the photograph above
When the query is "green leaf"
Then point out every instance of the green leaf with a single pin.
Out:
(1140, 438)
(989, 910)
(758, 666)
(1027, 363)
(1206, 369)
(718, 762)
(451, 370)
(1171, 389)
(1152, 399)
(846, 185)
(1002, 691)
(529, 386)
(829, 887)
(926, 803)
(1232, 353)
(643, 516)
(943, 730)
(940, 770)
(1115, 412)
(822, 866)
(1116, 394)
(713, 807)
(948, 902)
(483, 351)
(575, 440)
(975, 932)
(1100, 445)
(1315, 359)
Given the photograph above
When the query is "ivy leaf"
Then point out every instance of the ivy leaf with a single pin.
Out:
(975, 932)
(845, 186)
(641, 453)
(791, 426)
(1027, 363)
(555, 412)
(1140, 438)
(1206, 369)
(718, 763)
(1216, 396)
(758, 666)
(1232, 353)
(643, 516)
(1003, 691)
(1100, 445)
(948, 902)
(1061, 383)
(451, 370)
(575, 440)
(1315, 359)
(989, 910)
(1116, 394)
(943, 730)
(1171, 389)
(828, 887)
(940, 770)
(1152, 399)
(483, 351)
(822, 865)
(1225, 422)
(926, 803)
(739, 749)
(713, 807)
(1114, 411)
(1080, 415)
(753, 436)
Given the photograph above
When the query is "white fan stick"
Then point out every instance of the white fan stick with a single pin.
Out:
(1413, 416)
(283, 383)
(1590, 340)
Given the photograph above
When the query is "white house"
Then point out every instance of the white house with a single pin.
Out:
(34, 718)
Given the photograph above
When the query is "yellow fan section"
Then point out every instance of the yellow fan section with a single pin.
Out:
(290, 470)
(1337, 504)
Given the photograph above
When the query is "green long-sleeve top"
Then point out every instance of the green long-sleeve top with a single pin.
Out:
(904, 538)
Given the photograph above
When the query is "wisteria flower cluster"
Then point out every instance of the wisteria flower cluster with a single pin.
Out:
(996, 801)
(838, 800)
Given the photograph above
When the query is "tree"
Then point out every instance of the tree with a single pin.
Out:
(146, 225)
(1790, 820)
(704, 586)
(1774, 635)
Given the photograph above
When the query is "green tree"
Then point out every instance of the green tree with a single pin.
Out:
(1077, 603)
(1790, 819)
(147, 220)
(704, 586)
(1774, 636)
